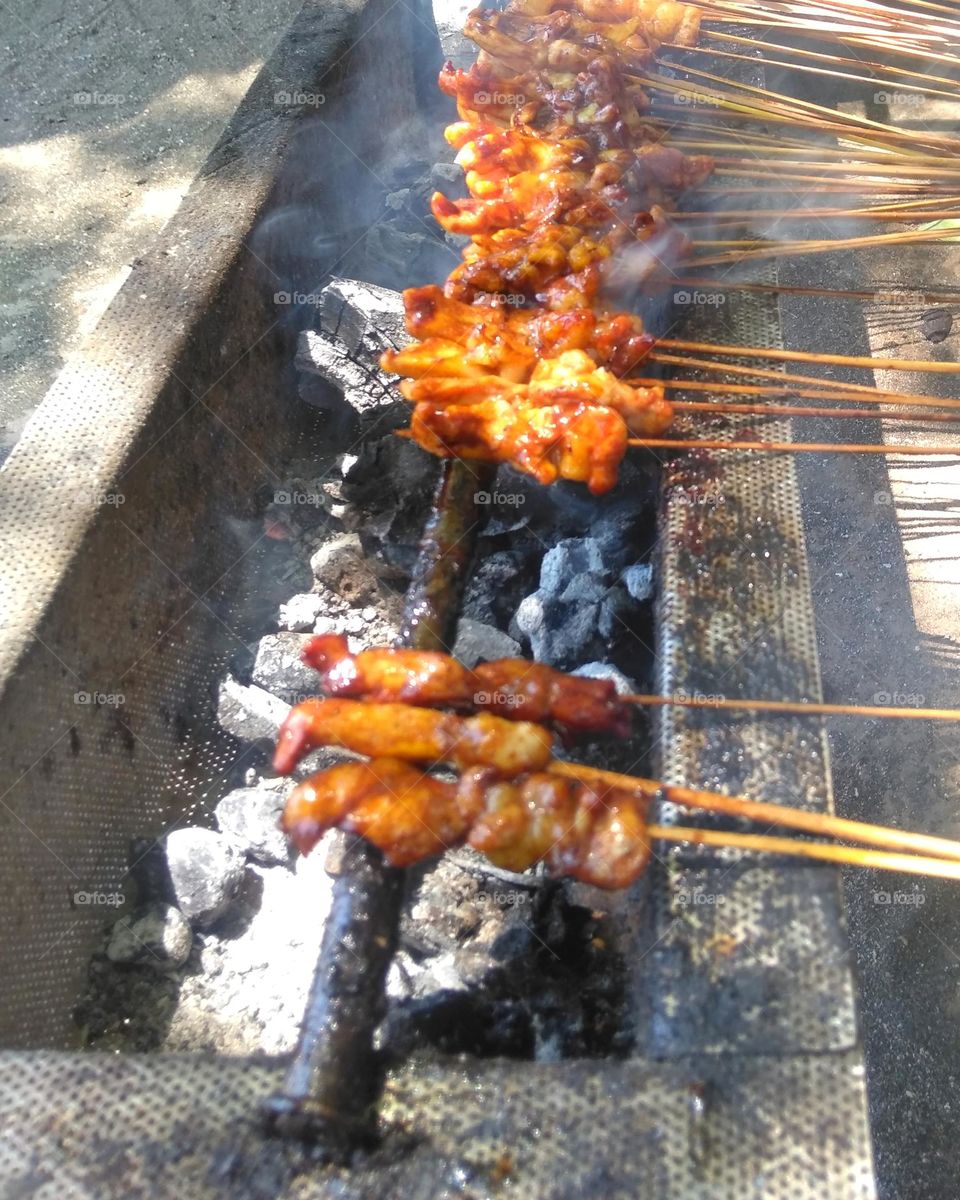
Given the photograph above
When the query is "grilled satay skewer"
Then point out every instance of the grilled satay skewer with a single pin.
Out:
(513, 688)
(594, 834)
(577, 827)
(505, 750)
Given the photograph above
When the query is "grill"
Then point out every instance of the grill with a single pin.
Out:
(735, 1069)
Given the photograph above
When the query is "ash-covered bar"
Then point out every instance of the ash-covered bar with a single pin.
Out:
(332, 1086)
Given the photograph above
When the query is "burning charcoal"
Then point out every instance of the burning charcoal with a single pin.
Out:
(568, 641)
(279, 670)
(602, 670)
(341, 565)
(448, 178)
(394, 257)
(159, 937)
(206, 870)
(482, 643)
(586, 588)
(561, 635)
(638, 580)
(616, 609)
(358, 321)
(497, 585)
(572, 556)
(300, 612)
(249, 713)
(249, 817)
(398, 201)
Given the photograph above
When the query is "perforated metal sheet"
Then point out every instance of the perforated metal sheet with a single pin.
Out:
(764, 950)
(762, 1128)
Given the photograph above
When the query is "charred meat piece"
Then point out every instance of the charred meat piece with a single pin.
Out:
(579, 441)
(513, 688)
(596, 835)
(412, 734)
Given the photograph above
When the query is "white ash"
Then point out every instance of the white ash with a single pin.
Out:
(205, 871)
(279, 669)
(638, 580)
(250, 817)
(159, 937)
(250, 988)
(300, 612)
(249, 713)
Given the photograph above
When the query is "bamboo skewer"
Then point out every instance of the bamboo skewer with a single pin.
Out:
(712, 52)
(869, 393)
(779, 103)
(853, 856)
(795, 410)
(790, 216)
(792, 447)
(797, 52)
(825, 246)
(781, 393)
(824, 824)
(796, 708)
(905, 295)
(811, 356)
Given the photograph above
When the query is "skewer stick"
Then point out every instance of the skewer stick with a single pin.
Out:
(791, 447)
(782, 393)
(825, 246)
(854, 856)
(797, 708)
(804, 69)
(763, 99)
(903, 295)
(824, 824)
(869, 393)
(798, 410)
(716, 35)
(841, 360)
(739, 216)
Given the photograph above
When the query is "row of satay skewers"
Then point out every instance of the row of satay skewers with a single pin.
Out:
(409, 712)
(526, 356)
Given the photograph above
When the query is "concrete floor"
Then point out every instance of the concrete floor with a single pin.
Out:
(110, 108)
